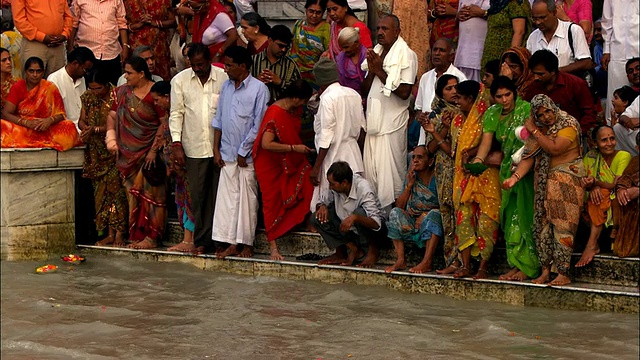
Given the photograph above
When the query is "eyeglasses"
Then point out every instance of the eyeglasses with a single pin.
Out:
(282, 46)
(86, 71)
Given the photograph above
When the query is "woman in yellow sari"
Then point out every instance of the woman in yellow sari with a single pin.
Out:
(604, 165)
(33, 114)
(476, 196)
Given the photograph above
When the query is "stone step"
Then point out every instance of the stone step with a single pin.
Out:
(604, 270)
(576, 296)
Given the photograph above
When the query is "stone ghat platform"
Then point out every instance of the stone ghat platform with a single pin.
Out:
(609, 284)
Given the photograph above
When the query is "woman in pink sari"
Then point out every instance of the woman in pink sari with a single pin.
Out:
(342, 16)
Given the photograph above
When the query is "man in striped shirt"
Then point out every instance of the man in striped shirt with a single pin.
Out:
(273, 66)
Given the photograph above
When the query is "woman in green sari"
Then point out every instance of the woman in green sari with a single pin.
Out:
(516, 208)
(439, 130)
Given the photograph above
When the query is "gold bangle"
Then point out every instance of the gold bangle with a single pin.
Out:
(291, 146)
(479, 158)
(516, 175)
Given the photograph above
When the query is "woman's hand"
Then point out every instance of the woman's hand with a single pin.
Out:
(428, 126)
(595, 195)
(625, 196)
(150, 160)
(509, 183)
(411, 176)
(302, 149)
(85, 134)
(43, 124)
(505, 70)
(447, 118)
(587, 182)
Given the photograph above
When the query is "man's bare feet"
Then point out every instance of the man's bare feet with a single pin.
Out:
(462, 273)
(372, 256)
(423, 267)
(247, 252)
(232, 250)
(106, 241)
(508, 275)
(354, 253)
(449, 269)
(519, 276)
(185, 247)
(587, 256)
(400, 264)
(333, 259)
(560, 280)
(147, 243)
(544, 278)
(481, 274)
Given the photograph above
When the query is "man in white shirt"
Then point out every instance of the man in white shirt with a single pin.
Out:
(146, 53)
(391, 72)
(339, 125)
(626, 129)
(70, 81)
(194, 100)
(565, 39)
(621, 32)
(442, 55)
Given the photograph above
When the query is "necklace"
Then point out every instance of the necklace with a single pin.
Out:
(133, 108)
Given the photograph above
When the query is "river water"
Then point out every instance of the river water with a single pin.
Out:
(122, 308)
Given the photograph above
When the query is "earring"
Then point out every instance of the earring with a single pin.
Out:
(255, 32)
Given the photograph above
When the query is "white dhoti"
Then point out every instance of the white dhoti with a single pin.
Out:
(236, 217)
(385, 164)
(616, 78)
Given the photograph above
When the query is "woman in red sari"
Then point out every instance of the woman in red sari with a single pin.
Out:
(33, 113)
(445, 24)
(149, 24)
(281, 165)
(135, 134)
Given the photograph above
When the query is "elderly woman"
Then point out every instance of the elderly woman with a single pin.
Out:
(554, 147)
(256, 30)
(439, 131)
(514, 65)
(135, 134)
(33, 114)
(350, 59)
(508, 25)
(342, 16)
(212, 26)
(281, 165)
(626, 209)
(604, 165)
(311, 37)
(149, 23)
(99, 164)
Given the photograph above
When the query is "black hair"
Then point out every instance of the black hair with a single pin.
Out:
(469, 88)
(596, 130)
(239, 55)
(626, 94)
(3, 50)
(442, 83)
(513, 57)
(161, 88)
(140, 65)
(254, 19)
(98, 77)
(340, 171)
(631, 61)
(321, 3)
(281, 33)
(298, 89)
(343, 3)
(503, 82)
(81, 54)
(493, 67)
(198, 49)
(32, 60)
(545, 58)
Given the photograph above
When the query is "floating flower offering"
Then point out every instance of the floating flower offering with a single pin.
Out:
(46, 269)
(74, 259)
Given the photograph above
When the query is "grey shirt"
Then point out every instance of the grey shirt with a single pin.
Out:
(361, 195)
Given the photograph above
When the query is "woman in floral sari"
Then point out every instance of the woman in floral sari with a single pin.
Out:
(516, 208)
(99, 164)
(439, 131)
(33, 114)
(7, 78)
(604, 165)
(554, 147)
(342, 16)
(135, 134)
(514, 64)
(310, 39)
(626, 209)
(476, 196)
(149, 24)
(281, 165)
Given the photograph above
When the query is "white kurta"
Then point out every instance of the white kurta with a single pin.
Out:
(71, 91)
(385, 147)
(337, 126)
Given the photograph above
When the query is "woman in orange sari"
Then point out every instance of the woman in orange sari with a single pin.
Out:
(281, 165)
(149, 24)
(33, 114)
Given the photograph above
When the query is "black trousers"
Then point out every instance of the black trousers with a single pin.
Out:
(203, 176)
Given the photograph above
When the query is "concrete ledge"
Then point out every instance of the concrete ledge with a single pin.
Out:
(21, 160)
(582, 297)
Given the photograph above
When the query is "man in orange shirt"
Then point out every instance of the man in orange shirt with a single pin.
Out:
(45, 26)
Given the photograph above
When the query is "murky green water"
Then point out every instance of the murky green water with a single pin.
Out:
(121, 308)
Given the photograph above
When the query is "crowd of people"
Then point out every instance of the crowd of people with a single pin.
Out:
(524, 128)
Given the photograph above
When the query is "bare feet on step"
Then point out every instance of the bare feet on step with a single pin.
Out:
(508, 275)
(587, 256)
(232, 250)
(399, 265)
(334, 259)
(106, 241)
(544, 278)
(481, 274)
(147, 243)
(449, 269)
(560, 280)
(519, 276)
(462, 272)
(423, 267)
(354, 253)
(246, 252)
(184, 247)
(119, 240)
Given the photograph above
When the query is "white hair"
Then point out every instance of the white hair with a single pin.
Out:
(349, 35)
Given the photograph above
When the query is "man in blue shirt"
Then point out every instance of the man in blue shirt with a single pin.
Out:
(241, 106)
